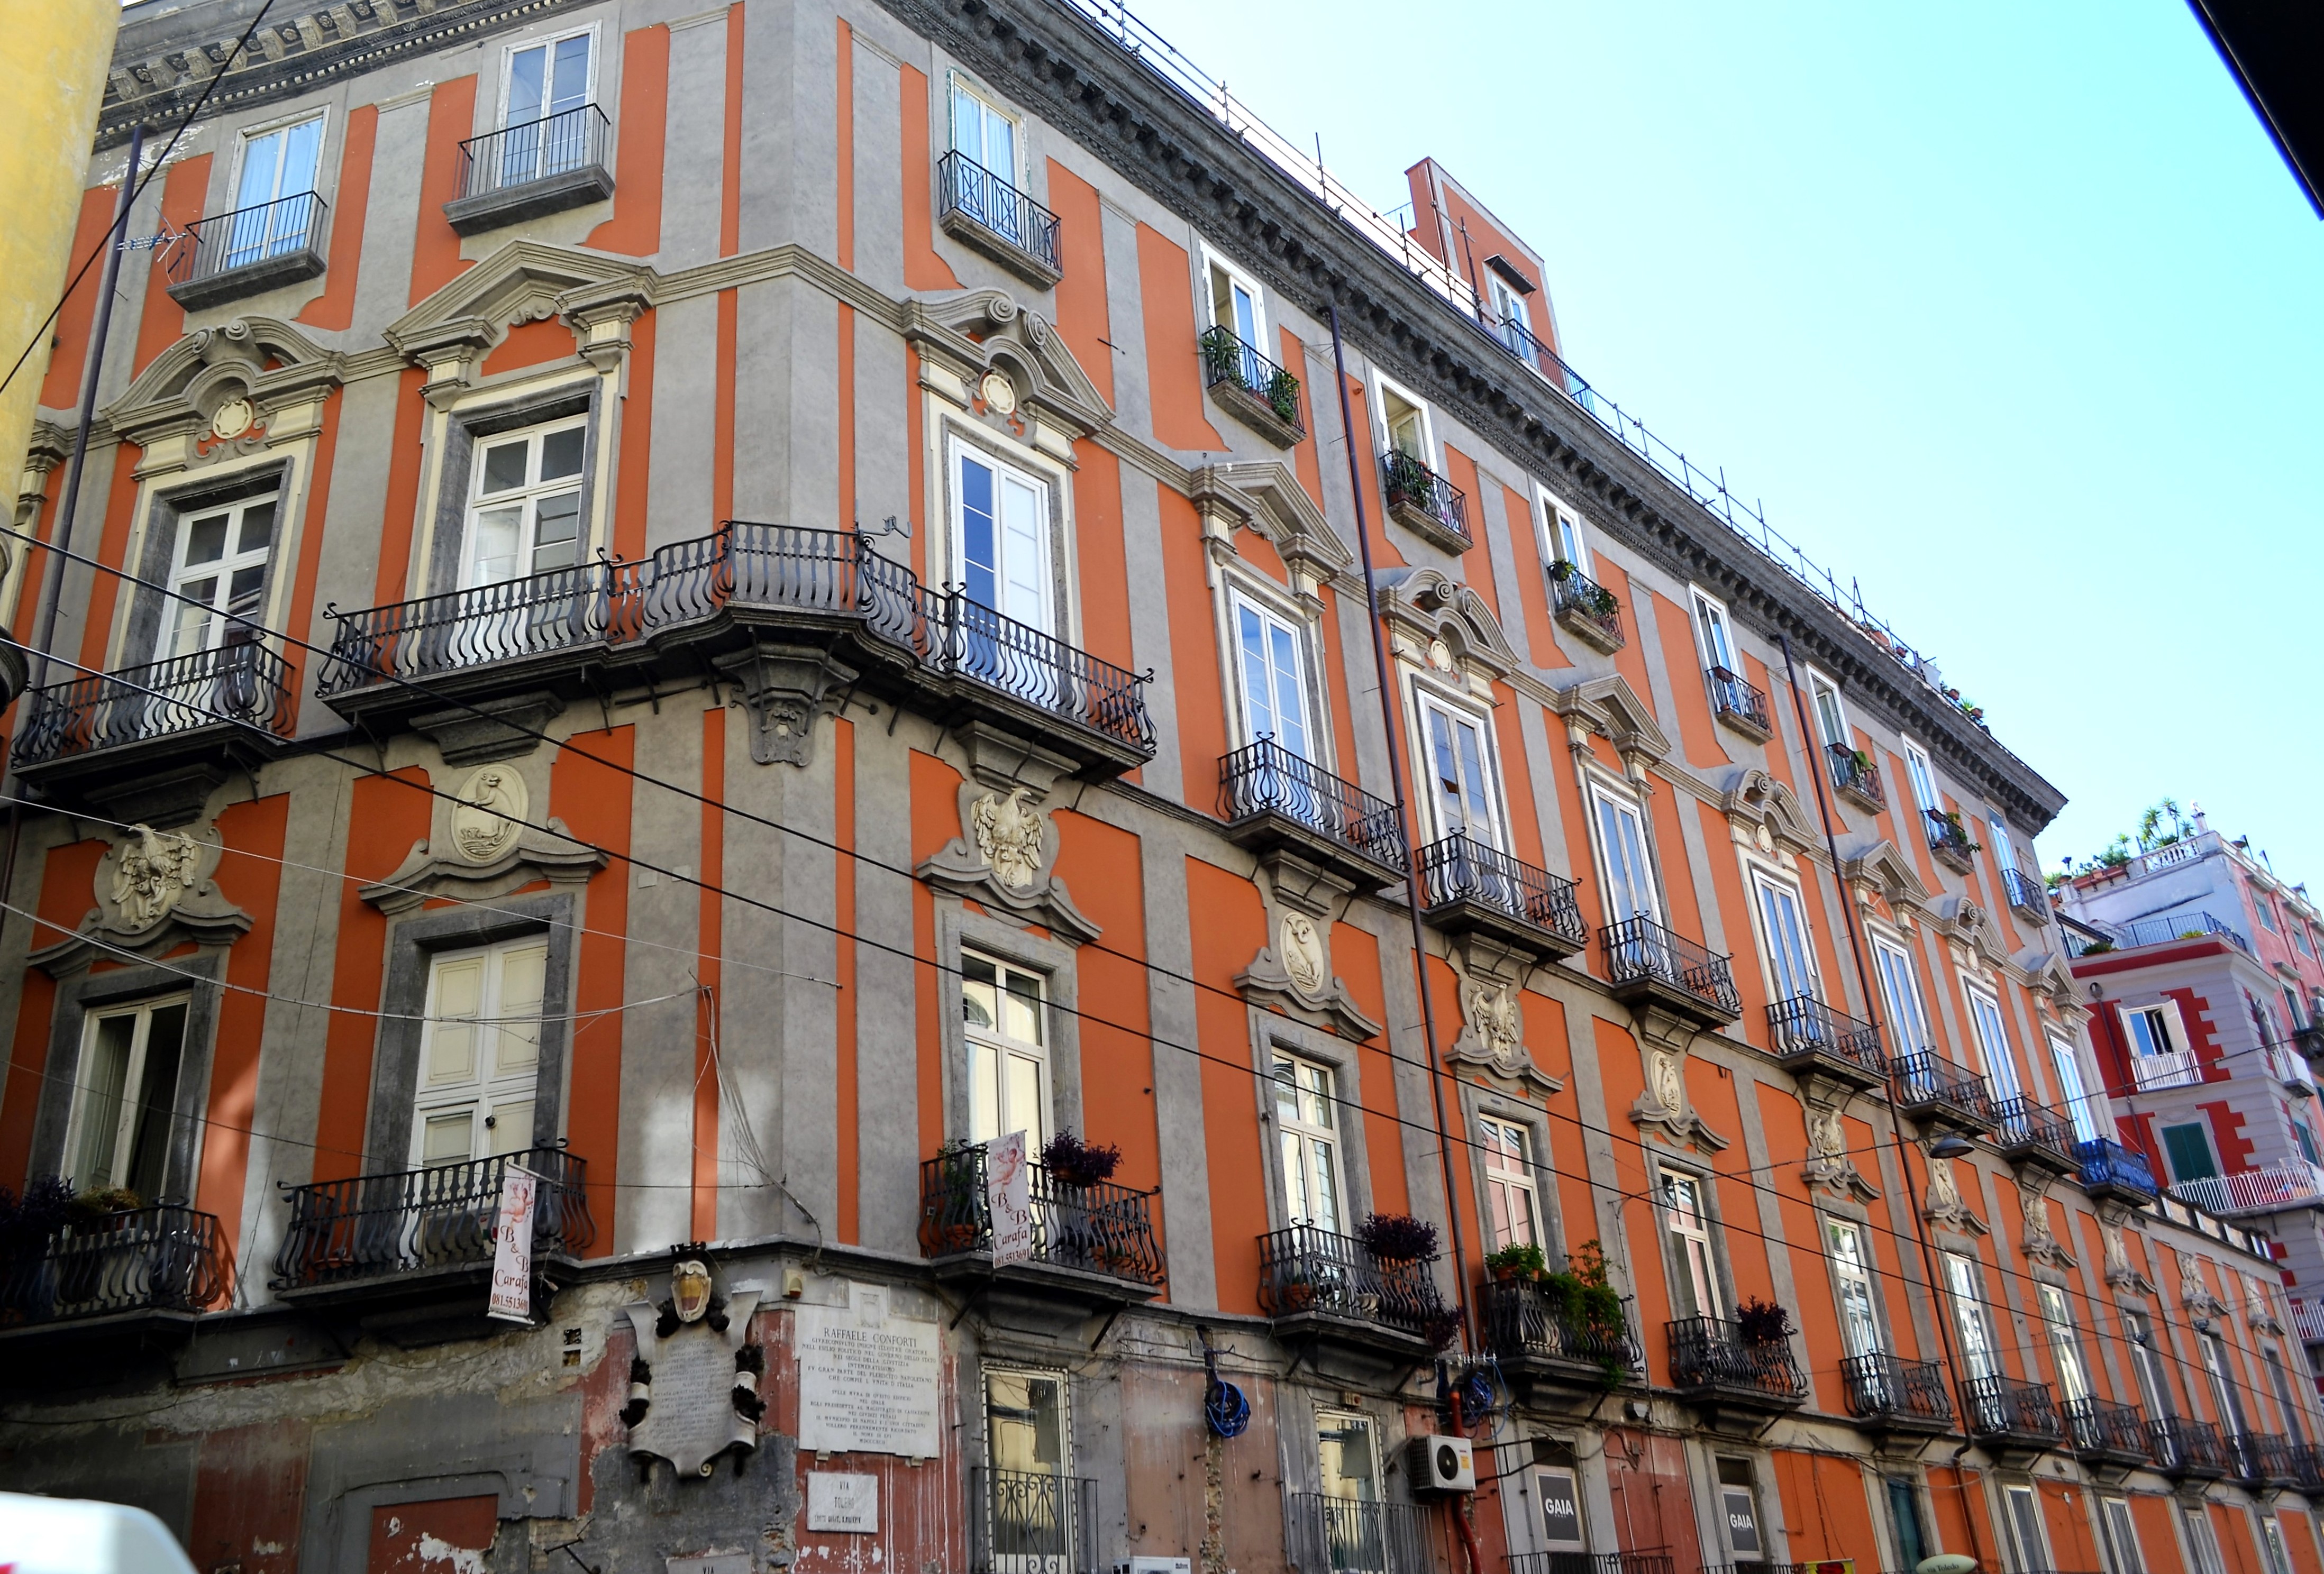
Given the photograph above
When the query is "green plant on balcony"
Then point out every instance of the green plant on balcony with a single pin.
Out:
(1763, 1322)
(1517, 1260)
(1283, 396)
(1222, 356)
(1957, 832)
(1861, 761)
(1396, 1237)
(1582, 1298)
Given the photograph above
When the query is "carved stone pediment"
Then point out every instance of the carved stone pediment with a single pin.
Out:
(481, 846)
(965, 338)
(1292, 973)
(1268, 498)
(1492, 1026)
(1609, 707)
(1972, 927)
(154, 892)
(1829, 1167)
(1941, 1204)
(218, 387)
(2038, 1242)
(1877, 865)
(1002, 858)
(451, 333)
(1427, 607)
(1769, 813)
(1664, 1107)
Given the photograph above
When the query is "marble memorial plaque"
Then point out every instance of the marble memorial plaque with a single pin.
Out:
(869, 1381)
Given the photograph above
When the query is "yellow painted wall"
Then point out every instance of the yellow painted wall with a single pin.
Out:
(53, 56)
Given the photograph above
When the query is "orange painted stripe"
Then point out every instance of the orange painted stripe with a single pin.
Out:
(924, 268)
(1304, 456)
(709, 1007)
(635, 227)
(335, 307)
(316, 515)
(67, 875)
(250, 875)
(385, 815)
(163, 322)
(1172, 369)
(68, 355)
(1081, 315)
(730, 207)
(845, 183)
(436, 259)
(631, 490)
(589, 789)
(34, 571)
(842, 884)
(402, 490)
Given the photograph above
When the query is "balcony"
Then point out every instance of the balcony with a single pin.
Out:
(1949, 840)
(2308, 1040)
(1809, 1036)
(1252, 389)
(2026, 893)
(1936, 1092)
(2186, 1450)
(1712, 1365)
(2028, 1133)
(1855, 778)
(134, 1275)
(2273, 1188)
(2307, 1467)
(407, 1253)
(1655, 1561)
(527, 172)
(1272, 800)
(1020, 1521)
(146, 741)
(1321, 1286)
(1646, 963)
(981, 210)
(1424, 501)
(2180, 1068)
(1549, 1349)
(1739, 704)
(1347, 1535)
(1887, 1394)
(573, 630)
(2109, 1436)
(2290, 1067)
(1586, 609)
(1469, 888)
(2264, 1461)
(2308, 1321)
(1094, 1245)
(2011, 1416)
(248, 251)
(2109, 1170)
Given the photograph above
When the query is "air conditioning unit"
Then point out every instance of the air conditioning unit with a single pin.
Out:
(1155, 1566)
(1440, 1464)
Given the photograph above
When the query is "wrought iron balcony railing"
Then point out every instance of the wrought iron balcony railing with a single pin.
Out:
(2108, 1166)
(162, 1258)
(1711, 1352)
(1413, 488)
(538, 150)
(1657, 1561)
(1026, 1522)
(1266, 778)
(1231, 364)
(2182, 1446)
(2101, 1427)
(1573, 594)
(224, 242)
(1347, 1536)
(1948, 837)
(2287, 1183)
(2027, 892)
(1098, 1228)
(1459, 869)
(1806, 1026)
(972, 191)
(1884, 1386)
(1996, 1407)
(2265, 1458)
(2022, 1125)
(406, 1221)
(1928, 1080)
(1524, 1320)
(1739, 700)
(2307, 1467)
(1640, 949)
(1852, 771)
(237, 685)
(1307, 1269)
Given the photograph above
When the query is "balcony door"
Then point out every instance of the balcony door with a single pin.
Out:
(1306, 1119)
(479, 1052)
(1460, 758)
(1274, 679)
(1980, 1353)
(217, 574)
(1001, 561)
(1791, 963)
(2154, 1389)
(1992, 1042)
(1347, 1470)
(1695, 1290)
(125, 1098)
(1234, 306)
(1004, 1017)
(1908, 1024)
(1851, 1273)
(524, 592)
(543, 110)
(2065, 1344)
(1028, 1439)
(2027, 1544)
(278, 166)
(1511, 1202)
(1717, 641)
(1629, 873)
(2226, 1392)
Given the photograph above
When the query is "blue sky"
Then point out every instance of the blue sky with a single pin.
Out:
(2011, 312)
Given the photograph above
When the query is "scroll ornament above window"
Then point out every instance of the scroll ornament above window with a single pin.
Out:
(154, 891)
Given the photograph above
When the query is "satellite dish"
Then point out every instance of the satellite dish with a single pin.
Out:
(1946, 1563)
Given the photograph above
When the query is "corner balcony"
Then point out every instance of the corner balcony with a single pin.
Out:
(2031, 1134)
(2187, 1450)
(121, 1281)
(574, 632)
(1273, 801)
(982, 211)
(1712, 1365)
(1948, 841)
(1550, 1349)
(1586, 609)
(2307, 1467)
(148, 743)
(2182, 1068)
(1424, 502)
(528, 171)
(2026, 893)
(2107, 1436)
(227, 256)
(408, 1254)
(1939, 1094)
(1327, 1289)
(1254, 390)
(1647, 964)
(1739, 704)
(2274, 1188)
(2111, 1171)
(1855, 778)
(2008, 1416)
(1093, 1245)
(1889, 1394)
(1810, 1038)
(1467, 888)
(2289, 1066)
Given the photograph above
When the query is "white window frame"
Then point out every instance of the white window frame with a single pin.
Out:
(1519, 1181)
(2031, 1559)
(219, 629)
(2057, 1312)
(2195, 1519)
(1005, 1046)
(1383, 385)
(1693, 1240)
(132, 1089)
(1309, 1137)
(2000, 1061)
(548, 41)
(2119, 1531)
(2151, 1014)
(1623, 802)
(1063, 1379)
(1921, 773)
(2073, 1087)
(1336, 1418)
(2149, 1366)
(1914, 1007)
(1763, 881)
(1206, 310)
(1508, 305)
(1819, 688)
(526, 496)
(1557, 523)
(1426, 697)
(1703, 610)
(1965, 1288)
(285, 122)
(959, 450)
(959, 81)
(2273, 1552)
(1850, 1255)
(1303, 631)
(486, 1093)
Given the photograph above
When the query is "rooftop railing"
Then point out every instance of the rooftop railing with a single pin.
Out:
(406, 1221)
(1739, 700)
(224, 241)
(1308, 1269)
(1096, 1227)
(968, 188)
(1265, 777)
(2308, 1321)
(2162, 929)
(1458, 869)
(1021, 1522)
(1806, 1026)
(537, 150)
(1639, 949)
(1574, 593)
(2286, 1183)
(244, 683)
(162, 1258)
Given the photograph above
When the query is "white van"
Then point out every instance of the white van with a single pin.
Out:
(67, 1536)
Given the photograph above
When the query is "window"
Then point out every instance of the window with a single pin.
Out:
(2147, 1362)
(1831, 720)
(983, 133)
(1348, 1465)
(1993, 1041)
(1629, 876)
(1005, 1018)
(2201, 1543)
(277, 168)
(1978, 1352)
(546, 109)
(2153, 1029)
(1790, 961)
(1923, 779)
(2293, 1013)
(2271, 1541)
(1406, 421)
(2300, 938)
(1461, 758)
(1566, 542)
(2266, 910)
(2279, 1381)
(1512, 1207)
(1306, 1118)
(1711, 628)
(2065, 1344)
(524, 514)
(2004, 851)
(1028, 1442)
(220, 563)
(1000, 539)
(2071, 1089)
(480, 1052)
(125, 1098)
(2188, 1148)
(2121, 1536)
(2306, 1137)
(1902, 991)
(1509, 314)
(1738, 1509)
(1274, 678)
(2025, 1520)
(2225, 1390)
(1695, 1293)
(1234, 306)
(1557, 1479)
(1905, 1517)
(1851, 1273)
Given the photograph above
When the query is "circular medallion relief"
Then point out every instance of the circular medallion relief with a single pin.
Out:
(999, 393)
(233, 419)
(485, 821)
(1440, 655)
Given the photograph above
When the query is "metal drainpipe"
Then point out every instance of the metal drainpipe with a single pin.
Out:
(1896, 1135)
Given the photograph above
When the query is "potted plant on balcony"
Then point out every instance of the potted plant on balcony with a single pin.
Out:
(1396, 1239)
(1860, 761)
(1763, 1322)
(1517, 1260)
(1283, 397)
(1582, 1301)
(1075, 1162)
(953, 1209)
